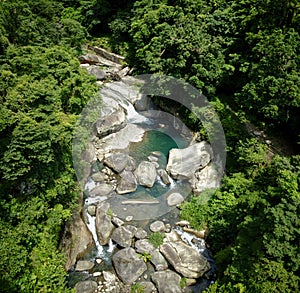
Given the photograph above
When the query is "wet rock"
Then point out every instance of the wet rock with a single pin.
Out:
(122, 236)
(157, 226)
(111, 123)
(104, 226)
(128, 265)
(129, 218)
(101, 190)
(86, 287)
(158, 260)
(109, 277)
(174, 199)
(167, 281)
(185, 260)
(164, 176)
(183, 163)
(84, 265)
(91, 209)
(146, 174)
(200, 234)
(144, 246)
(127, 183)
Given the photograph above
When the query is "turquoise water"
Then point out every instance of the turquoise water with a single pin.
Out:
(157, 141)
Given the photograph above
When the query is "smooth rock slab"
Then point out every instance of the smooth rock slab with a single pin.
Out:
(86, 287)
(128, 265)
(146, 174)
(167, 281)
(183, 163)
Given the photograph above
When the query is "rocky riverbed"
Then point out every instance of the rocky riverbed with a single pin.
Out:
(127, 202)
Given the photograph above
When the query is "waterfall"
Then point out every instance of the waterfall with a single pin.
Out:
(91, 224)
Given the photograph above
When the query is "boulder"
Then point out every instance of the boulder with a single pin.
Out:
(104, 226)
(128, 265)
(174, 199)
(140, 233)
(86, 287)
(97, 72)
(111, 123)
(209, 177)
(108, 55)
(158, 260)
(127, 183)
(183, 163)
(146, 174)
(157, 226)
(76, 240)
(88, 59)
(101, 190)
(144, 246)
(117, 221)
(98, 177)
(84, 265)
(148, 287)
(119, 161)
(185, 259)
(164, 176)
(91, 209)
(142, 104)
(167, 281)
(122, 236)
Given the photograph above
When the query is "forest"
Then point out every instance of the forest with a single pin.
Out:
(244, 56)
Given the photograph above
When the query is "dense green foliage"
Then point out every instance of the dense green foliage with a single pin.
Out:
(243, 55)
(42, 90)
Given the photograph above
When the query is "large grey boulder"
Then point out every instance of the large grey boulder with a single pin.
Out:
(185, 259)
(97, 72)
(167, 281)
(164, 176)
(128, 265)
(111, 123)
(146, 174)
(76, 240)
(183, 163)
(209, 177)
(127, 183)
(119, 161)
(104, 226)
(86, 287)
(144, 246)
(158, 260)
(101, 190)
(123, 236)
